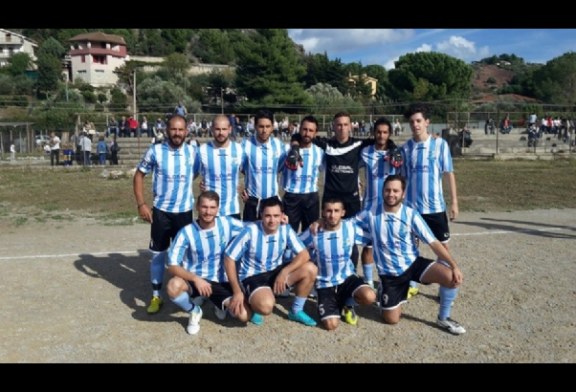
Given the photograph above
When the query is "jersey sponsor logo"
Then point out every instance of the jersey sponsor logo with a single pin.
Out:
(346, 169)
(264, 170)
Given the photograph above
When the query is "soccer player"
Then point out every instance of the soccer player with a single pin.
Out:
(264, 156)
(379, 163)
(301, 201)
(339, 288)
(254, 261)
(174, 165)
(342, 165)
(220, 161)
(195, 260)
(426, 161)
(394, 230)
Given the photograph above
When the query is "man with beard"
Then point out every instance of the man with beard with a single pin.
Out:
(195, 259)
(301, 201)
(379, 162)
(220, 162)
(174, 165)
(394, 230)
(264, 155)
(339, 287)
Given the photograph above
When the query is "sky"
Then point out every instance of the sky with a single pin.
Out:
(385, 46)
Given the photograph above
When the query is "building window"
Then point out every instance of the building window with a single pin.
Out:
(8, 37)
(99, 59)
(83, 58)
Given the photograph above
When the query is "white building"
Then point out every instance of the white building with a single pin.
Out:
(12, 43)
(95, 56)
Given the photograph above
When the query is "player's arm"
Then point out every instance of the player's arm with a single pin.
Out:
(143, 209)
(203, 287)
(298, 261)
(453, 212)
(237, 302)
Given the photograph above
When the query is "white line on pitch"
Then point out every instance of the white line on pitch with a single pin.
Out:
(121, 252)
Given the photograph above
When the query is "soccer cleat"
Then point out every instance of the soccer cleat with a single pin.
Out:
(350, 316)
(412, 292)
(451, 326)
(194, 322)
(302, 317)
(219, 313)
(155, 305)
(257, 319)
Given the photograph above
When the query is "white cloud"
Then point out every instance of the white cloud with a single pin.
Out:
(335, 40)
(424, 48)
(462, 48)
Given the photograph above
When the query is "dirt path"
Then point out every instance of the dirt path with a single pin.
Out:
(75, 292)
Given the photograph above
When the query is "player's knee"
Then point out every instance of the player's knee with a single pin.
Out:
(311, 270)
(365, 296)
(264, 305)
(175, 287)
(391, 319)
(330, 324)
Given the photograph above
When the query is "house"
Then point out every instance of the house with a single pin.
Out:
(12, 43)
(367, 80)
(95, 56)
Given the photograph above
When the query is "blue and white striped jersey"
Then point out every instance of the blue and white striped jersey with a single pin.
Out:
(304, 179)
(424, 164)
(220, 168)
(173, 173)
(256, 252)
(331, 250)
(376, 169)
(201, 251)
(261, 166)
(393, 238)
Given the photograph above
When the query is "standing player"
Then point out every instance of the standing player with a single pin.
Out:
(393, 230)
(220, 161)
(380, 160)
(342, 165)
(338, 286)
(300, 181)
(426, 161)
(174, 165)
(264, 156)
(195, 260)
(254, 261)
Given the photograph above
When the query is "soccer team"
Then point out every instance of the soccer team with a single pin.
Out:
(242, 265)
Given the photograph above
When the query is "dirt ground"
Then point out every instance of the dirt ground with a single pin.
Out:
(76, 292)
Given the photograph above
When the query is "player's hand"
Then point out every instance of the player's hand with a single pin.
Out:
(244, 195)
(294, 159)
(316, 227)
(145, 213)
(457, 276)
(454, 211)
(280, 284)
(203, 287)
(202, 186)
(236, 303)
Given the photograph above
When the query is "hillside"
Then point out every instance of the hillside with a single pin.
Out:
(488, 79)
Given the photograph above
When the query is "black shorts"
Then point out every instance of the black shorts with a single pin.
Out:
(165, 226)
(266, 279)
(220, 292)
(438, 223)
(331, 300)
(301, 208)
(393, 290)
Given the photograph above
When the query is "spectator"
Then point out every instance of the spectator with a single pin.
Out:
(54, 149)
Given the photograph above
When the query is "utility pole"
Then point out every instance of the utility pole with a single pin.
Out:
(221, 100)
(134, 98)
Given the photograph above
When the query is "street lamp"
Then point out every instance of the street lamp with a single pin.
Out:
(221, 100)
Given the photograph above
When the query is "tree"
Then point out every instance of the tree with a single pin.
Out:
(555, 82)
(19, 63)
(213, 46)
(429, 76)
(327, 99)
(320, 69)
(270, 70)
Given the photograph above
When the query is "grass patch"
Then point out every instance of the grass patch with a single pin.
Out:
(482, 186)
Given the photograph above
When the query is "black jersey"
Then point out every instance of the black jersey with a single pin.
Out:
(342, 162)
